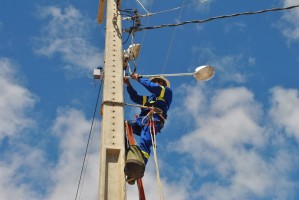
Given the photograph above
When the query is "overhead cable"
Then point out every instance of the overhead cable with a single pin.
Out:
(144, 34)
(214, 18)
(159, 12)
(142, 6)
(172, 39)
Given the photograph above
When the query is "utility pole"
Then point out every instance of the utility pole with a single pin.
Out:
(112, 184)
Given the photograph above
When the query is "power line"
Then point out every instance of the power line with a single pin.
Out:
(89, 136)
(144, 34)
(142, 6)
(172, 39)
(159, 12)
(213, 18)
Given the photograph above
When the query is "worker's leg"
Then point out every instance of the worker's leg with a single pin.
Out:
(145, 143)
(135, 127)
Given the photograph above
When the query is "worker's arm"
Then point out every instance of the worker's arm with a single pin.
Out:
(152, 87)
(133, 93)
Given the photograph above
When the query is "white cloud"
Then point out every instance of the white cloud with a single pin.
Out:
(15, 100)
(285, 110)
(72, 129)
(290, 25)
(66, 34)
(16, 171)
(236, 151)
(19, 162)
(27, 171)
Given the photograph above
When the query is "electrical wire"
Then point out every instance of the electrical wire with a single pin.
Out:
(144, 34)
(130, 14)
(214, 18)
(127, 39)
(89, 136)
(172, 39)
(159, 12)
(147, 21)
(142, 6)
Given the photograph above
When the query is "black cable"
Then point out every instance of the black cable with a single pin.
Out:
(133, 23)
(127, 39)
(86, 150)
(214, 18)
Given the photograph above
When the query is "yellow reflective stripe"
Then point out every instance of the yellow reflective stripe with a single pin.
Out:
(145, 154)
(161, 97)
(144, 100)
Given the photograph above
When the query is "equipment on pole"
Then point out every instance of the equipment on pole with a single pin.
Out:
(132, 52)
(202, 73)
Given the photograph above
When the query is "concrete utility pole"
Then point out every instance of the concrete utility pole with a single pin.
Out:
(112, 178)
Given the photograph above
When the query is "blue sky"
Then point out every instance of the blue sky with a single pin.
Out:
(234, 137)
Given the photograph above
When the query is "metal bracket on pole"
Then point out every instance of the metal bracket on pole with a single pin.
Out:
(101, 8)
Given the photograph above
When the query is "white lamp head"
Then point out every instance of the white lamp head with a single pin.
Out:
(204, 73)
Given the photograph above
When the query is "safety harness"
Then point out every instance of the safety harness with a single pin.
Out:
(154, 103)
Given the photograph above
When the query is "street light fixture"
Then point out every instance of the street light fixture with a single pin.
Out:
(201, 73)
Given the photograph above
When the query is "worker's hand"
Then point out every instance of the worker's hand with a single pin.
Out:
(126, 81)
(135, 76)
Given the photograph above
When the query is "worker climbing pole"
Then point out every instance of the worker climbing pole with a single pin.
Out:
(116, 164)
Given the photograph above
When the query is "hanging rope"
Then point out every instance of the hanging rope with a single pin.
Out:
(153, 138)
(88, 141)
(214, 18)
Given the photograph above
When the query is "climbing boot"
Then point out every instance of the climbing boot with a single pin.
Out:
(134, 167)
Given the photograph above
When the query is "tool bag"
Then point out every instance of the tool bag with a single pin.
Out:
(134, 167)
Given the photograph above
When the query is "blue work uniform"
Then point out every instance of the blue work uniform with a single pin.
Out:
(161, 98)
